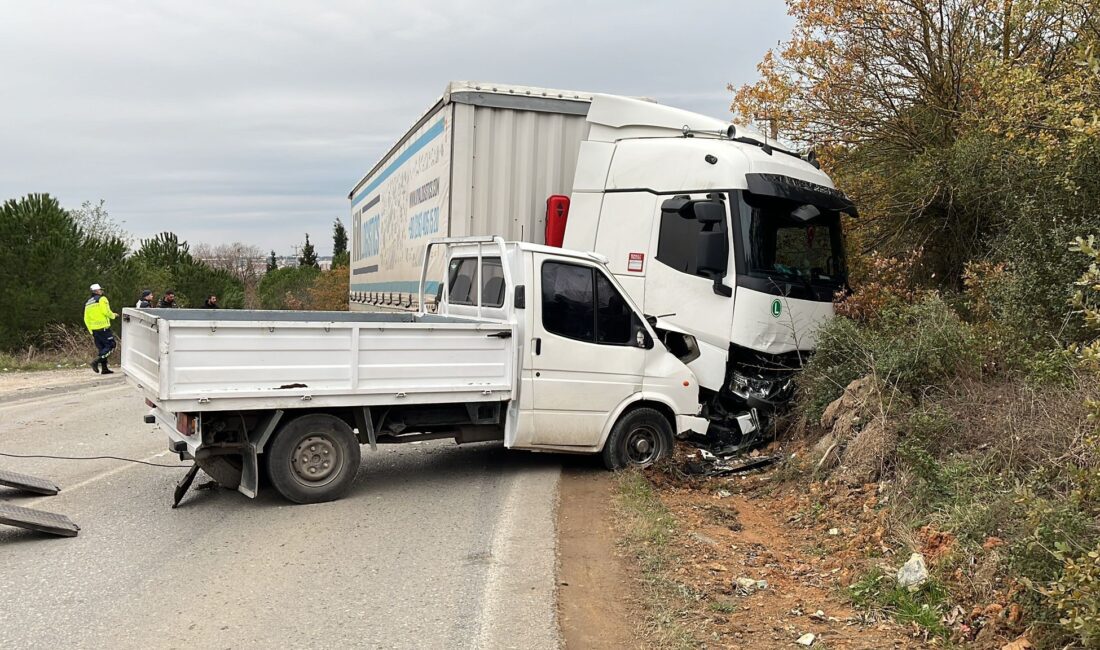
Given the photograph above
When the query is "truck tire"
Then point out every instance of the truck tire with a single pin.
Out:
(313, 458)
(641, 437)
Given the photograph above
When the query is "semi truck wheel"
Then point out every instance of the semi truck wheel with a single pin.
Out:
(640, 438)
(314, 458)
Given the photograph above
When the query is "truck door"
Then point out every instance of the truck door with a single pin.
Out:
(582, 354)
(683, 284)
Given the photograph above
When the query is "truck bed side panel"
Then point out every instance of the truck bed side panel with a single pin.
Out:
(345, 359)
(141, 352)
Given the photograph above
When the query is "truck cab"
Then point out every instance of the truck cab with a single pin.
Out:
(732, 243)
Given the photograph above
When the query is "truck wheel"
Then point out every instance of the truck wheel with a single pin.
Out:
(640, 438)
(313, 459)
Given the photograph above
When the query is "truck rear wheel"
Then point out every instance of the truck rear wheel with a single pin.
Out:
(640, 438)
(313, 459)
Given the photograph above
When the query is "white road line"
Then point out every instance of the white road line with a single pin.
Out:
(39, 401)
(102, 475)
(519, 599)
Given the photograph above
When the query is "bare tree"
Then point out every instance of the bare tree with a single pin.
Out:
(245, 261)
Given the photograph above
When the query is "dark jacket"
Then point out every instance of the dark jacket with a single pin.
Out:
(166, 304)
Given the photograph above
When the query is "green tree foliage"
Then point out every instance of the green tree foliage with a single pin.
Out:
(191, 279)
(288, 287)
(965, 128)
(48, 260)
(272, 262)
(340, 255)
(309, 255)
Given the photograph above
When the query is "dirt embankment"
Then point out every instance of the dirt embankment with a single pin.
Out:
(763, 571)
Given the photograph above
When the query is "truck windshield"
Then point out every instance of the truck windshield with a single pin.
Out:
(784, 240)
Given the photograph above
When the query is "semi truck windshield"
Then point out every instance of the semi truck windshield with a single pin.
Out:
(788, 241)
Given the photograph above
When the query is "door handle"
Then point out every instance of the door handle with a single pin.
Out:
(500, 335)
(538, 346)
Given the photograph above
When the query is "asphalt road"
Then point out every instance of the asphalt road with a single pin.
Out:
(437, 546)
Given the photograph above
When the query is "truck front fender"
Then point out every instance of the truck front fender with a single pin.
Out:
(641, 397)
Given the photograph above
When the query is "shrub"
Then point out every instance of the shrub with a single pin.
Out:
(287, 288)
(909, 347)
(886, 282)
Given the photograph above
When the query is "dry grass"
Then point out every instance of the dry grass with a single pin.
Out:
(61, 346)
(648, 532)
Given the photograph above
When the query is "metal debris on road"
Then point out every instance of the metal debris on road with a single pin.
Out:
(28, 483)
(39, 520)
(709, 464)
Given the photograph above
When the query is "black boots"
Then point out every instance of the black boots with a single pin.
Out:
(100, 366)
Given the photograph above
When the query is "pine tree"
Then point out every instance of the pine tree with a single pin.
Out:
(272, 262)
(308, 256)
(340, 256)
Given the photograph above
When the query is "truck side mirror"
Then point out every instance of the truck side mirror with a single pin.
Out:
(642, 339)
(710, 212)
(712, 252)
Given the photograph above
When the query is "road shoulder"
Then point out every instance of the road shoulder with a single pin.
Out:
(594, 587)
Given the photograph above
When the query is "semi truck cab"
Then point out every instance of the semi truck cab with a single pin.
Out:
(733, 245)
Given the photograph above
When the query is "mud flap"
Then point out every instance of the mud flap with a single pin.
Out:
(184, 484)
(250, 473)
(39, 520)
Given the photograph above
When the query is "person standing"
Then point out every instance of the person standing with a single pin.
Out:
(97, 318)
(168, 300)
(211, 302)
(146, 300)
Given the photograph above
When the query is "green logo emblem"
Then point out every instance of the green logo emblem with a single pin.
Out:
(777, 308)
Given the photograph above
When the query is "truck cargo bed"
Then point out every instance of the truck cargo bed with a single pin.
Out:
(197, 360)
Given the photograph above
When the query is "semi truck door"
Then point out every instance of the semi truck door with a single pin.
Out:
(680, 282)
(583, 353)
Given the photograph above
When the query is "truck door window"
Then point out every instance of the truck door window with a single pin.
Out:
(614, 318)
(567, 301)
(677, 241)
(579, 302)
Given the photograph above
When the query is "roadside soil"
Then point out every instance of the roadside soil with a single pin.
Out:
(731, 532)
(18, 386)
(596, 603)
(762, 563)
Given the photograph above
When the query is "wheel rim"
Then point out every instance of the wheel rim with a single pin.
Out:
(316, 460)
(643, 446)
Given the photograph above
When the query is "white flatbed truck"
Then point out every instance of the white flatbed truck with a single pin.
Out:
(542, 349)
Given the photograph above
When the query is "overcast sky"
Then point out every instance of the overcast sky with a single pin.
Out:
(250, 121)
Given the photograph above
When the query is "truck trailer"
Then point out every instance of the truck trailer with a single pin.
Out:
(729, 243)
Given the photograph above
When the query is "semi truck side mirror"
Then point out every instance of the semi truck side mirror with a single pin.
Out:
(710, 212)
(712, 254)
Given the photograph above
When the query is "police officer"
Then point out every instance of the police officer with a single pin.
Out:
(98, 317)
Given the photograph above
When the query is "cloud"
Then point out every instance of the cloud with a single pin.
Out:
(251, 121)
